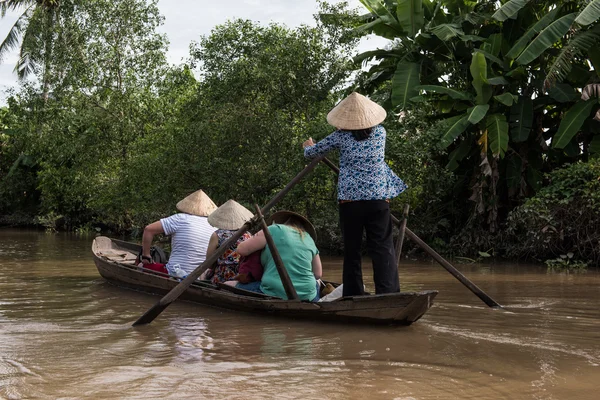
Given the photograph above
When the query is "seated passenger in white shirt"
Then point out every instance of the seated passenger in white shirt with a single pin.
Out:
(190, 232)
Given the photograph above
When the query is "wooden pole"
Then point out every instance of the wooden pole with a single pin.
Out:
(402, 228)
(449, 267)
(290, 291)
(178, 290)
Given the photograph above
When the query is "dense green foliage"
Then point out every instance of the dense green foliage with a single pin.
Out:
(512, 86)
(490, 118)
(563, 217)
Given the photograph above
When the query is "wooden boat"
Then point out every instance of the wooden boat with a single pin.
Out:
(115, 260)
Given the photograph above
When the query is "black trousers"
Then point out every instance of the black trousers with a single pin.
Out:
(374, 217)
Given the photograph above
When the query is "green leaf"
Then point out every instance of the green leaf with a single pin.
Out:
(378, 27)
(534, 178)
(479, 72)
(455, 94)
(476, 114)
(455, 126)
(595, 145)
(563, 93)
(496, 80)
(410, 16)
(546, 39)
(513, 171)
(534, 30)
(447, 31)
(497, 128)
(572, 149)
(484, 254)
(576, 48)
(491, 57)
(458, 154)
(590, 14)
(472, 38)
(379, 9)
(493, 44)
(509, 10)
(380, 53)
(521, 119)
(571, 123)
(404, 84)
(506, 98)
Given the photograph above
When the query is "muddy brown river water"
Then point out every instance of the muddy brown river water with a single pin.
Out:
(66, 334)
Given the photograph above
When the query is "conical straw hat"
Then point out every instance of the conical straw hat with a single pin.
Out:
(231, 216)
(280, 217)
(197, 203)
(356, 112)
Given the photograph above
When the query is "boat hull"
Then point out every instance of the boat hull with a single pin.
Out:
(396, 308)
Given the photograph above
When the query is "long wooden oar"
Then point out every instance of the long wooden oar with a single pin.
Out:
(178, 290)
(449, 267)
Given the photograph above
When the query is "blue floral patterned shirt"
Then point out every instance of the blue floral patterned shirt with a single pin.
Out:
(364, 174)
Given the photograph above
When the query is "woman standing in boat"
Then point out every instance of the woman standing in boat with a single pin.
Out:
(365, 186)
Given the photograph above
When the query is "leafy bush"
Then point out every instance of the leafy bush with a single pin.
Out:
(562, 218)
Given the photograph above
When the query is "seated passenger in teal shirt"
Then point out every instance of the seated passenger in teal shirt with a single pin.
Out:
(293, 236)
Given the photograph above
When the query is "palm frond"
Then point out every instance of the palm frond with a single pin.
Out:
(29, 54)
(6, 5)
(25, 66)
(11, 41)
(579, 44)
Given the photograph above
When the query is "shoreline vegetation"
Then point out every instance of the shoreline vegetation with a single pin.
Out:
(491, 119)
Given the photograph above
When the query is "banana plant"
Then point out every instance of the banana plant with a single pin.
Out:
(505, 79)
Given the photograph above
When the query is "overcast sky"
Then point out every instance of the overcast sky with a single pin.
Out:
(187, 20)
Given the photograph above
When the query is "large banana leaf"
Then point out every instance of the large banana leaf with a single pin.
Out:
(531, 32)
(410, 16)
(506, 98)
(571, 123)
(497, 128)
(479, 72)
(445, 32)
(493, 45)
(514, 164)
(496, 80)
(453, 127)
(380, 53)
(379, 9)
(546, 38)
(521, 119)
(590, 13)
(476, 114)
(404, 84)
(509, 9)
(491, 57)
(379, 28)
(455, 94)
(458, 154)
(563, 93)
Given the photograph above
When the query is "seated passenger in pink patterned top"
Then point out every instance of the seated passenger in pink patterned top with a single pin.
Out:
(228, 219)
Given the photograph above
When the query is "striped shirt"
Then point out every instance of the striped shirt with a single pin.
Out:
(190, 236)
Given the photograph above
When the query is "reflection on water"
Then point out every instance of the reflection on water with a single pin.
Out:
(65, 333)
